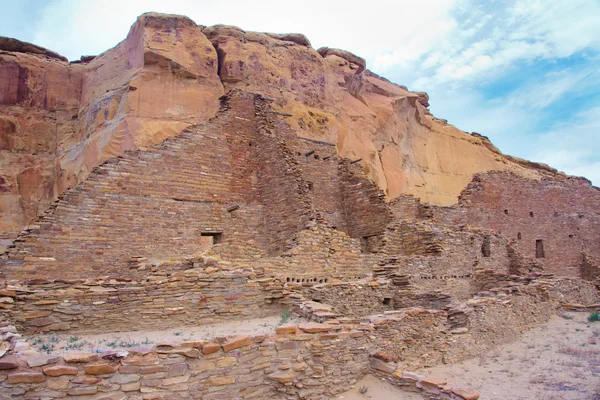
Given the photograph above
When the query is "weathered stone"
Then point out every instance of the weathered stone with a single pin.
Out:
(80, 357)
(287, 329)
(120, 378)
(237, 342)
(282, 377)
(9, 362)
(312, 327)
(210, 348)
(220, 380)
(100, 369)
(82, 391)
(42, 360)
(130, 387)
(26, 377)
(59, 370)
(381, 365)
(465, 394)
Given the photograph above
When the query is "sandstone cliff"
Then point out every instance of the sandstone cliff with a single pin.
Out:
(58, 120)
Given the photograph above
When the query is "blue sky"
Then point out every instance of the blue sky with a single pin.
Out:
(524, 73)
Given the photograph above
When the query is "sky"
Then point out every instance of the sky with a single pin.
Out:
(525, 73)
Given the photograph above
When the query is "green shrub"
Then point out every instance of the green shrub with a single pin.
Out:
(594, 317)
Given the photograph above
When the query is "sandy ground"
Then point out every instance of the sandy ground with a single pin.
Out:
(57, 343)
(559, 360)
(377, 389)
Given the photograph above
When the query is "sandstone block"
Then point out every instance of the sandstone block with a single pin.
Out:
(237, 342)
(82, 391)
(282, 377)
(465, 394)
(210, 348)
(9, 362)
(80, 357)
(26, 377)
(287, 329)
(381, 366)
(41, 361)
(100, 369)
(59, 370)
(220, 380)
(313, 327)
(130, 387)
(122, 379)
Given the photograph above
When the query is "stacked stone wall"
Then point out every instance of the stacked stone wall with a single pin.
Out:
(192, 297)
(288, 208)
(367, 213)
(550, 220)
(302, 362)
(318, 162)
(157, 204)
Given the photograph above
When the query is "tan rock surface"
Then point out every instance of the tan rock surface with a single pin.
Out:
(59, 120)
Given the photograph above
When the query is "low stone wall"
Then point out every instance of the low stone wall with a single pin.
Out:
(354, 299)
(299, 362)
(306, 361)
(430, 388)
(195, 296)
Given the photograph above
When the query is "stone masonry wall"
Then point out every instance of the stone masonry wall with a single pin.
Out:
(318, 163)
(298, 362)
(364, 204)
(157, 204)
(551, 220)
(288, 208)
(203, 294)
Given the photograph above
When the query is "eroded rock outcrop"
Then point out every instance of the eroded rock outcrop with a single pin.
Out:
(58, 120)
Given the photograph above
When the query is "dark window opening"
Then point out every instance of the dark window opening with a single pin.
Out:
(519, 236)
(571, 236)
(555, 213)
(209, 239)
(486, 247)
(310, 186)
(368, 244)
(506, 211)
(539, 249)
(531, 214)
(387, 301)
(580, 215)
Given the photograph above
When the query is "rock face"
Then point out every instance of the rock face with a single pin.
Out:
(59, 120)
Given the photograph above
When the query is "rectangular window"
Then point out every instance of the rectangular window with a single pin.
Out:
(486, 247)
(539, 249)
(209, 239)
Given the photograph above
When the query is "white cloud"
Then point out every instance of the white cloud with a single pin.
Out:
(573, 147)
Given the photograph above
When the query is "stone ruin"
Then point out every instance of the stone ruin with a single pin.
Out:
(241, 217)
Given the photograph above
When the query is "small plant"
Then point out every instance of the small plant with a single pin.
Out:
(129, 344)
(363, 389)
(567, 316)
(285, 316)
(54, 339)
(74, 346)
(178, 333)
(112, 344)
(147, 341)
(73, 339)
(47, 348)
(594, 317)
(38, 340)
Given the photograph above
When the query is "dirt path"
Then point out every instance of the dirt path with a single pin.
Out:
(559, 360)
(377, 389)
